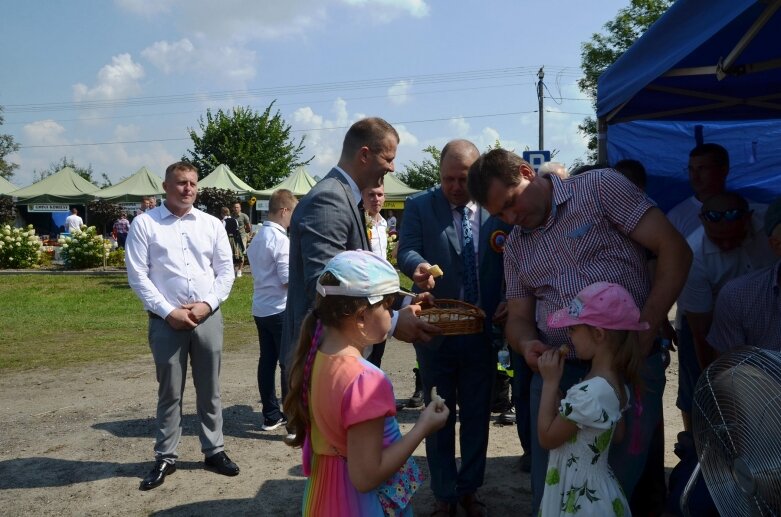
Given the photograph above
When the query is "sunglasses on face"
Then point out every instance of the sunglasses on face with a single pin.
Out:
(715, 216)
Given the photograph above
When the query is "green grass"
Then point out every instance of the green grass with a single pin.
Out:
(51, 321)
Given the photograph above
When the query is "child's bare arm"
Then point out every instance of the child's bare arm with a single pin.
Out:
(552, 429)
(368, 464)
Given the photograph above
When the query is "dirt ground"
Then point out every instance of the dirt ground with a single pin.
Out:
(77, 441)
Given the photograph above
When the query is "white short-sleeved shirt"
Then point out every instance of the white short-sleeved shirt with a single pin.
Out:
(712, 268)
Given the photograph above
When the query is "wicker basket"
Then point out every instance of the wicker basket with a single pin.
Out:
(454, 317)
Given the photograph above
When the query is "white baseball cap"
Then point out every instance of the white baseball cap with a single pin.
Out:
(361, 274)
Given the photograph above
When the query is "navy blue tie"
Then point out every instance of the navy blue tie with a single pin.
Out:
(468, 256)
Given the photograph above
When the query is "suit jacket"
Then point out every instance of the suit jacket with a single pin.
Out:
(326, 221)
(429, 235)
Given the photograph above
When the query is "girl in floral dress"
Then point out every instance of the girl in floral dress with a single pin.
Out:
(603, 321)
(342, 407)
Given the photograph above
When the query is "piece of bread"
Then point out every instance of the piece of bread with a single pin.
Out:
(563, 350)
(435, 271)
(436, 399)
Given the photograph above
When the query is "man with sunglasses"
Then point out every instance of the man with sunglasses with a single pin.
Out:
(747, 309)
(729, 244)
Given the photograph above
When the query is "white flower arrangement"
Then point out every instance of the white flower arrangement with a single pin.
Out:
(19, 247)
(84, 248)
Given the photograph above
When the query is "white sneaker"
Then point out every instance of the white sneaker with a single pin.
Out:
(238, 273)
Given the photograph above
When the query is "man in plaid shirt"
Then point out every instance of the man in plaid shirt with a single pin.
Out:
(121, 227)
(569, 234)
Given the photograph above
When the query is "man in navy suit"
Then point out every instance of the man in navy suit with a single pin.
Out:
(441, 225)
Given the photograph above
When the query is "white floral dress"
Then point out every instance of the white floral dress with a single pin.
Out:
(579, 480)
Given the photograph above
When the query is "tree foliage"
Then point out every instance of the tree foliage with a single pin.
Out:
(603, 49)
(257, 147)
(103, 213)
(7, 146)
(85, 172)
(425, 174)
(7, 214)
(215, 198)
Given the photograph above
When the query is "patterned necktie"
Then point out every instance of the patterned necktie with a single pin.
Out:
(468, 256)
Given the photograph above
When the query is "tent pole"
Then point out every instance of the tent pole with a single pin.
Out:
(601, 140)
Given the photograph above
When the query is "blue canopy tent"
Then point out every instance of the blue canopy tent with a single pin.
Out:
(704, 72)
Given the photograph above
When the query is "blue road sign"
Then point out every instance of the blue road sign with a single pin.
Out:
(536, 158)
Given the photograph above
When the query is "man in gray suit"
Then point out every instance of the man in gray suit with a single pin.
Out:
(328, 220)
(444, 226)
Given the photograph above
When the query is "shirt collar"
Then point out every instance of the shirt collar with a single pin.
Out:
(352, 183)
(272, 224)
(167, 213)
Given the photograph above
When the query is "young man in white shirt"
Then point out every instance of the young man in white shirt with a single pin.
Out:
(73, 222)
(377, 231)
(268, 255)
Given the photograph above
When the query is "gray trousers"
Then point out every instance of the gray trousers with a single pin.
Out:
(170, 350)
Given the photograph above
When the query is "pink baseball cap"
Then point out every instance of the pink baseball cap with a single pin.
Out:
(603, 305)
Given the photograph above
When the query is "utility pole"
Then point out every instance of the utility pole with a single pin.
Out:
(541, 75)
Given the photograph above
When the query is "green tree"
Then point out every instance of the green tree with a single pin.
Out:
(603, 49)
(215, 198)
(257, 147)
(7, 146)
(425, 174)
(85, 172)
(7, 214)
(102, 214)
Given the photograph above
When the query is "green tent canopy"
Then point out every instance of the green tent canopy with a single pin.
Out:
(64, 186)
(299, 182)
(222, 177)
(397, 190)
(142, 183)
(6, 187)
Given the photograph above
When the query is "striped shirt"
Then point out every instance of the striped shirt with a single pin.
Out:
(585, 239)
(748, 312)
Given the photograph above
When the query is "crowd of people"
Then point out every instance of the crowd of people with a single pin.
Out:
(577, 272)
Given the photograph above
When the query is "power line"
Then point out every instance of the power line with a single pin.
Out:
(422, 121)
(472, 75)
(303, 102)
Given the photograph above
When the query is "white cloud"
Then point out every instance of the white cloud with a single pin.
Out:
(459, 125)
(229, 64)
(146, 8)
(43, 132)
(406, 138)
(117, 80)
(399, 92)
(170, 57)
(386, 9)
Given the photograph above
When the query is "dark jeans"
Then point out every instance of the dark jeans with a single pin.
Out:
(270, 335)
(121, 238)
(462, 368)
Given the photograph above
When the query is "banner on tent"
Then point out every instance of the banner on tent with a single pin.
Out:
(130, 207)
(48, 208)
(393, 205)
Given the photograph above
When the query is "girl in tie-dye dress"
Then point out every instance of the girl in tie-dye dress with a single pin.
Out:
(342, 407)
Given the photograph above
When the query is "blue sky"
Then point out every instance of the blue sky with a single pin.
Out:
(116, 84)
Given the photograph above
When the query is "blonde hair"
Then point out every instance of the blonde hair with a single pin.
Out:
(628, 358)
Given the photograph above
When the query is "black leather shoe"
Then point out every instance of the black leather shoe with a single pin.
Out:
(157, 475)
(222, 464)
